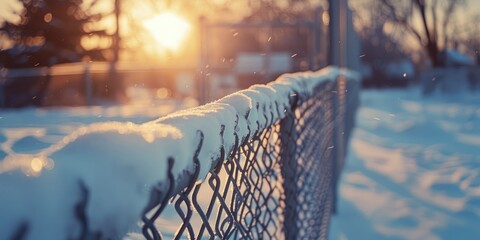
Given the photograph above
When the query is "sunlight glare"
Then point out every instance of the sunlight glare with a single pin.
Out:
(36, 164)
(168, 29)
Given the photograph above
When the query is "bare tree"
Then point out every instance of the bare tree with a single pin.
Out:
(429, 21)
(50, 32)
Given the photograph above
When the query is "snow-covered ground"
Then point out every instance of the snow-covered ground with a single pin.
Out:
(97, 177)
(30, 130)
(413, 169)
(33, 134)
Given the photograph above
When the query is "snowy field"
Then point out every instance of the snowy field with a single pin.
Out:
(29, 137)
(413, 169)
(29, 130)
(102, 173)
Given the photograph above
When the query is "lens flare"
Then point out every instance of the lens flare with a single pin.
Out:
(168, 29)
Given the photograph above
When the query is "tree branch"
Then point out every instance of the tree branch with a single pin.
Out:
(402, 20)
(433, 9)
(449, 10)
(420, 4)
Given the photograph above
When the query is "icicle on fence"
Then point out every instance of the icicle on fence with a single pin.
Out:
(261, 163)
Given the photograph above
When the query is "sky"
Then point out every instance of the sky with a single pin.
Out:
(6, 7)
(474, 6)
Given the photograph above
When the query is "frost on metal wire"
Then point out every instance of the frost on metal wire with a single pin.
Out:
(260, 163)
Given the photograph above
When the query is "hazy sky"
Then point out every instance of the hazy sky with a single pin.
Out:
(6, 8)
(7, 5)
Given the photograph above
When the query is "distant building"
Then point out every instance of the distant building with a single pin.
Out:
(273, 63)
(458, 76)
(454, 58)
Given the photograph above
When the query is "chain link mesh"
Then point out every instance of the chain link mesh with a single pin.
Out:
(279, 183)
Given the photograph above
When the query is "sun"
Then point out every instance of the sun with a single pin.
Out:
(168, 29)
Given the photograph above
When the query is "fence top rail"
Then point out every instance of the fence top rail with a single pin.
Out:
(272, 24)
(132, 159)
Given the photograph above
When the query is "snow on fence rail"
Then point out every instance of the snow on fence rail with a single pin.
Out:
(260, 163)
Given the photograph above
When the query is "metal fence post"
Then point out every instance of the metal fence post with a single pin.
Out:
(2, 83)
(339, 134)
(288, 138)
(87, 79)
(202, 79)
(316, 38)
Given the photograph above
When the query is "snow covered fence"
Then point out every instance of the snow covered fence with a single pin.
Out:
(260, 163)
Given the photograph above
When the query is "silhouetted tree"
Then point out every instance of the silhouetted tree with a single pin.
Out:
(435, 18)
(50, 32)
(379, 48)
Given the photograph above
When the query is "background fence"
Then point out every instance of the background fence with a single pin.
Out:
(260, 163)
(89, 83)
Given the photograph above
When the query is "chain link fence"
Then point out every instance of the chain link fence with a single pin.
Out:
(278, 183)
(262, 163)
